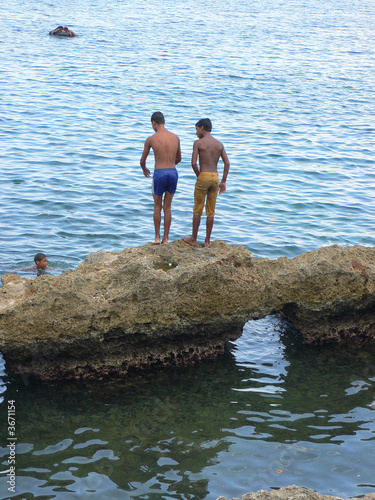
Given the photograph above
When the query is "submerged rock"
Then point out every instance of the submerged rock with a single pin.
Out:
(291, 493)
(173, 304)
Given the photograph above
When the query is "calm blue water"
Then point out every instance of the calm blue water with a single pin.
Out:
(290, 89)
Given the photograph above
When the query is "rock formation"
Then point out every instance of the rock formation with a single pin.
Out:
(173, 304)
(291, 493)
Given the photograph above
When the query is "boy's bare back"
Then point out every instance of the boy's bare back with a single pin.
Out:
(166, 147)
(209, 151)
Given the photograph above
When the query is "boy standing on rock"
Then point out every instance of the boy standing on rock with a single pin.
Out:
(167, 152)
(209, 150)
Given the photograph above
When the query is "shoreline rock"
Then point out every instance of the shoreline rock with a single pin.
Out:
(173, 304)
(292, 493)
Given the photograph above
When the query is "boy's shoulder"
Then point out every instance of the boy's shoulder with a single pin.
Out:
(28, 268)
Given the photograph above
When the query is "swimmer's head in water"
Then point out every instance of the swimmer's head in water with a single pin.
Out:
(41, 261)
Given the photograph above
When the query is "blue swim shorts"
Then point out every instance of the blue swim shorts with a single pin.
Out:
(164, 179)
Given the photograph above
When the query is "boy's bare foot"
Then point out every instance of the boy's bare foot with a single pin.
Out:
(165, 241)
(207, 244)
(157, 241)
(189, 240)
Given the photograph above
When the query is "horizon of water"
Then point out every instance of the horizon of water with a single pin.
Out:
(290, 88)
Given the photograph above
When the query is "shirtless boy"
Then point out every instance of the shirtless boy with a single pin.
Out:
(209, 150)
(167, 154)
(41, 264)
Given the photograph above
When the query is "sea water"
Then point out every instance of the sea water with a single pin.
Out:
(289, 86)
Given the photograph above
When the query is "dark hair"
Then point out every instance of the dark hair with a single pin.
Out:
(158, 118)
(38, 257)
(205, 123)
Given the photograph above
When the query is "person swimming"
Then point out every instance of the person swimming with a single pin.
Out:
(41, 265)
(62, 31)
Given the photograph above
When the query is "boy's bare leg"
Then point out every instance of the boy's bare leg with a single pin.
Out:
(209, 226)
(158, 202)
(168, 197)
(192, 240)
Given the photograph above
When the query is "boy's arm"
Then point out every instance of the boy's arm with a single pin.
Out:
(194, 158)
(178, 154)
(145, 153)
(223, 185)
(29, 268)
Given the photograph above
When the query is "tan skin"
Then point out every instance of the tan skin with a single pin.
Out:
(209, 151)
(42, 264)
(167, 154)
(68, 31)
(39, 265)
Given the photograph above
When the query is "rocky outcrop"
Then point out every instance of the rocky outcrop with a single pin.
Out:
(172, 304)
(291, 493)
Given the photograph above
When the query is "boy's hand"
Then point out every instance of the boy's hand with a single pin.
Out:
(222, 187)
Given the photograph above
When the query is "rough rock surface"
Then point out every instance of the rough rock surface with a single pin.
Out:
(172, 304)
(291, 493)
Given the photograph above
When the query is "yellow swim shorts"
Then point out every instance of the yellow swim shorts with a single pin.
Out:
(207, 185)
